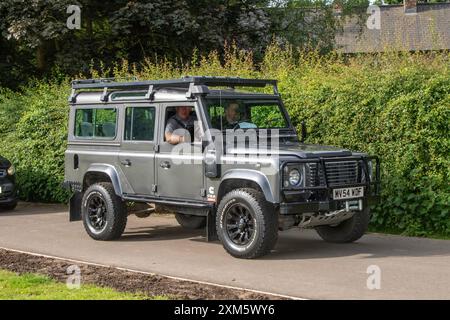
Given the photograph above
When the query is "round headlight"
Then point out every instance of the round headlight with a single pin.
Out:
(11, 170)
(295, 177)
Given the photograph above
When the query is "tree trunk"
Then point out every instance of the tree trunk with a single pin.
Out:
(89, 26)
(41, 58)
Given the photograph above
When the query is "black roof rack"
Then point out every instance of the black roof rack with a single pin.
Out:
(191, 84)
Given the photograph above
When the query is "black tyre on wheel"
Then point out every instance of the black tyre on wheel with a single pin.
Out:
(347, 231)
(9, 207)
(104, 214)
(190, 222)
(246, 223)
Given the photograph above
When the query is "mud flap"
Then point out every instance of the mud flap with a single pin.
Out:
(75, 207)
(211, 233)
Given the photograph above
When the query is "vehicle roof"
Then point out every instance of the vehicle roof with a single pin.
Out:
(104, 90)
(160, 95)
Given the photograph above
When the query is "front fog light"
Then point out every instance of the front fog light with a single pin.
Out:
(11, 170)
(295, 177)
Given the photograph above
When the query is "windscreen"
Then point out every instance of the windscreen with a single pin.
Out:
(228, 114)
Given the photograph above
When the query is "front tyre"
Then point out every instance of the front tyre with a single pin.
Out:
(104, 214)
(347, 231)
(246, 224)
(9, 207)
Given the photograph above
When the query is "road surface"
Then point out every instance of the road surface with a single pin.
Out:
(302, 265)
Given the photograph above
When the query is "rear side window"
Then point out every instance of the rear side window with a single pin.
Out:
(96, 123)
(140, 124)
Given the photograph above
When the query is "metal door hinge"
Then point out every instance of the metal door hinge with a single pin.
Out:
(203, 192)
(154, 187)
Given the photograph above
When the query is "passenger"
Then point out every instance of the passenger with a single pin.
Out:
(231, 116)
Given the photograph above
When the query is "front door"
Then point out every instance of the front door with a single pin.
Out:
(179, 167)
(137, 156)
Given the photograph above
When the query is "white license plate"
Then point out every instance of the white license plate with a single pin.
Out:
(348, 193)
(0, 189)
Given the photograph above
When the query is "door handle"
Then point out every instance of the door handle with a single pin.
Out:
(126, 162)
(165, 165)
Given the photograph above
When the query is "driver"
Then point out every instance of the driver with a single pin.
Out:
(180, 127)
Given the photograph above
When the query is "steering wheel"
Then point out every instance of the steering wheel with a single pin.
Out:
(237, 125)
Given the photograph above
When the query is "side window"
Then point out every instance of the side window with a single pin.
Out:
(140, 123)
(95, 123)
(184, 124)
(105, 123)
(84, 120)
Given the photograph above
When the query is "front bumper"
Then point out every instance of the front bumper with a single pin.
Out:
(288, 208)
(312, 199)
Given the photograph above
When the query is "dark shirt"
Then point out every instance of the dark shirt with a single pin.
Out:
(183, 127)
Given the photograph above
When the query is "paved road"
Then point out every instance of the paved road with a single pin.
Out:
(302, 265)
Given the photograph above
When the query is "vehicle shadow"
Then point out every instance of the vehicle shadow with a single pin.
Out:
(306, 244)
(159, 233)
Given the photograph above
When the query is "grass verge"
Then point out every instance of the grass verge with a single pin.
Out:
(137, 285)
(31, 286)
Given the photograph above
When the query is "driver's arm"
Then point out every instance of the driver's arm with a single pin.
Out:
(169, 134)
(173, 138)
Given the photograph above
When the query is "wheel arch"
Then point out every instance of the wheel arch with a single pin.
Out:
(102, 173)
(240, 178)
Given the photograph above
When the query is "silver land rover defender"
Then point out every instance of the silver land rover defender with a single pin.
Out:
(234, 165)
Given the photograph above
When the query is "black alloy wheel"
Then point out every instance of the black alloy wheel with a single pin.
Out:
(240, 224)
(96, 208)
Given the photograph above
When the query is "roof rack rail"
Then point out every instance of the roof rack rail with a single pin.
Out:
(98, 80)
(103, 80)
(193, 85)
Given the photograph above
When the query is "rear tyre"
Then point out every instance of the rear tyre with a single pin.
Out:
(104, 214)
(190, 222)
(246, 224)
(347, 231)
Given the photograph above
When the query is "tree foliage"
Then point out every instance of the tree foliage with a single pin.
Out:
(35, 37)
(35, 40)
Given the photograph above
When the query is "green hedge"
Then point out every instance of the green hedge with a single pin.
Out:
(400, 113)
(396, 106)
(35, 139)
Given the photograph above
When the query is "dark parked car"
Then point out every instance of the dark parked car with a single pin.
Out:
(8, 193)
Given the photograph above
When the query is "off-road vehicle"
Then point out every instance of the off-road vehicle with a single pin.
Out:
(8, 191)
(244, 174)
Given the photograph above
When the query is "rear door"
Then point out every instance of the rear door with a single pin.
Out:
(137, 155)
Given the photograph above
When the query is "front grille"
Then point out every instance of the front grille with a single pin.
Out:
(5, 195)
(3, 173)
(6, 191)
(338, 173)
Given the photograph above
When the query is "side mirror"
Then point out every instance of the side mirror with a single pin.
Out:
(212, 168)
(304, 132)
